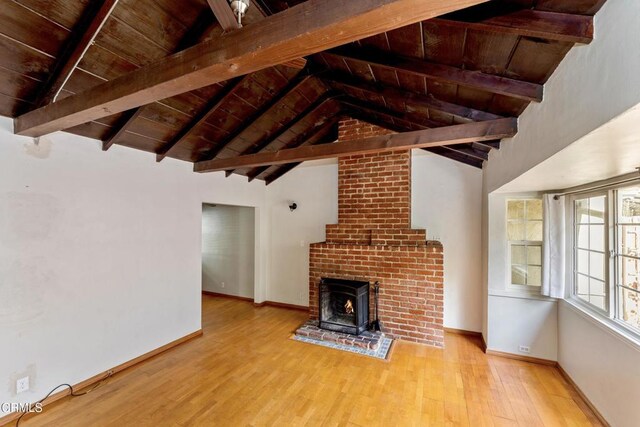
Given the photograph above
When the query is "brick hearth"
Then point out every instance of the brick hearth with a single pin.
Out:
(373, 241)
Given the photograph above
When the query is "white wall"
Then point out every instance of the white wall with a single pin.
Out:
(592, 86)
(99, 256)
(515, 317)
(228, 239)
(603, 364)
(446, 199)
(314, 187)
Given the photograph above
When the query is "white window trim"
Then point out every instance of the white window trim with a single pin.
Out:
(607, 319)
(512, 289)
(572, 267)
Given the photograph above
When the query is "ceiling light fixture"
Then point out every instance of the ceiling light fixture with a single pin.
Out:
(239, 8)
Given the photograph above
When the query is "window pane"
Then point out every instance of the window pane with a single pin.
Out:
(534, 209)
(596, 287)
(583, 285)
(629, 205)
(596, 237)
(515, 209)
(582, 211)
(518, 254)
(630, 306)
(597, 209)
(629, 274)
(630, 239)
(596, 265)
(515, 231)
(518, 275)
(583, 262)
(597, 301)
(582, 237)
(534, 255)
(534, 231)
(534, 276)
(584, 297)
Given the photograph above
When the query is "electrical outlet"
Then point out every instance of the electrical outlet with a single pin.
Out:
(524, 349)
(22, 385)
(222, 284)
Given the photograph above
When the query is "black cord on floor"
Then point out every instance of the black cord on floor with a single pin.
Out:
(73, 393)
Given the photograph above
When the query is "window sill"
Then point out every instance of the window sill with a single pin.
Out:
(522, 294)
(605, 323)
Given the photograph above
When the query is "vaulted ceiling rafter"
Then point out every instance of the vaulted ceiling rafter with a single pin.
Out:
(448, 135)
(304, 29)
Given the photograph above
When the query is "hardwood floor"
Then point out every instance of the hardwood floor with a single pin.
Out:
(246, 371)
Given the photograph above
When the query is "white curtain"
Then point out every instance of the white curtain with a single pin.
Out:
(553, 247)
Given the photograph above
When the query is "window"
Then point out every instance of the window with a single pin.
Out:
(524, 231)
(590, 250)
(606, 260)
(627, 255)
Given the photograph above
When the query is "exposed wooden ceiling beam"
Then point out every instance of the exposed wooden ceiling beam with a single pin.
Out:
(428, 101)
(456, 155)
(459, 150)
(533, 23)
(228, 22)
(268, 139)
(120, 128)
(79, 42)
(305, 29)
(299, 140)
(203, 24)
(282, 170)
(450, 135)
(199, 119)
(292, 86)
(370, 108)
(224, 14)
(442, 73)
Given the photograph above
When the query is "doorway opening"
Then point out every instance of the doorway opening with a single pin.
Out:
(228, 251)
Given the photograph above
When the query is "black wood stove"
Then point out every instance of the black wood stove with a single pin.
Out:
(344, 305)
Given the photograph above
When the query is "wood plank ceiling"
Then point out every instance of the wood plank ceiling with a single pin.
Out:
(482, 63)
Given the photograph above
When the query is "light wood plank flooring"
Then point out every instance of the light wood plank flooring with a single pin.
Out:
(245, 371)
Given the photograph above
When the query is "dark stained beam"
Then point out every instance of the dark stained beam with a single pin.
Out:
(456, 155)
(298, 141)
(80, 40)
(200, 27)
(282, 170)
(446, 151)
(224, 14)
(563, 27)
(307, 28)
(199, 119)
(442, 73)
(269, 139)
(468, 151)
(370, 108)
(428, 101)
(449, 135)
(228, 22)
(121, 127)
(292, 86)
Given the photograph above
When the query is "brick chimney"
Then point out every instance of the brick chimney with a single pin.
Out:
(373, 241)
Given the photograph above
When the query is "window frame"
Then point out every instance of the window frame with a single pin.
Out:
(613, 313)
(573, 249)
(615, 255)
(528, 289)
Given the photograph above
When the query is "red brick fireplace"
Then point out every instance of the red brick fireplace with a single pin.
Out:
(374, 241)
